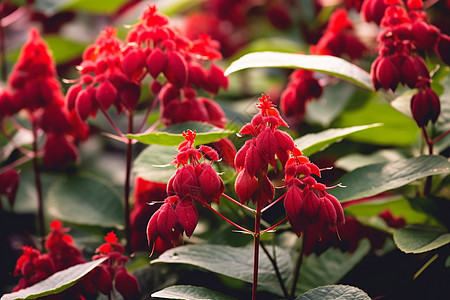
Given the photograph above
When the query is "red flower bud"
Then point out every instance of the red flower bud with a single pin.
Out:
(253, 160)
(168, 224)
(84, 103)
(425, 106)
(103, 280)
(215, 80)
(267, 143)
(373, 10)
(156, 62)
(413, 69)
(55, 120)
(185, 182)
(210, 183)
(385, 73)
(176, 70)
(106, 94)
(443, 48)
(245, 186)
(130, 93)
(126, 284)
(197, 74)
(133, 64)
(293, 204)
(187, 216)
(72, 94)
(311, 205)
(59, 152)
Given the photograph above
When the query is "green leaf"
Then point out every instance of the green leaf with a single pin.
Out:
(235, 262)
(334, 292)
(51, 7)
(314, 142)
(377, 178)
(397, 129)
(329, 267)
(326, 109)
(189, 292)
(398, 206)
(331, 65)
(419, 238)
(56, 283)
(87, 200)
(172, 135)
(356, 160)
(153, 163)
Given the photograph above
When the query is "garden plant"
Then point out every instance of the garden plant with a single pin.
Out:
(214, 149)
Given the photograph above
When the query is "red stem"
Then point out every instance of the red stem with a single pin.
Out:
(273, 203)
(127, 184)
(222, 216)
(37, 180)
(428, 182)
(257, 235)
(238, 203)
(274, 226)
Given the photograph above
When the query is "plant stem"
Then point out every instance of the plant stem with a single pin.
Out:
(37, 180)
(273, 203)
(277, 271)
(127, 184)
(2, 46)
(274, 226)
(257, 235)
(298, 265)
(238, 203)
(428, 182)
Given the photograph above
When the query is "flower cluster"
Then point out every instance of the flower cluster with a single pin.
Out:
(112, 71)
(145, 192)
(113, 270)
(339, 38)
(406, 35)
(302, 88)
(254, 157)
(33, 87)
(308, 205)
(193, 181)
(33, 266)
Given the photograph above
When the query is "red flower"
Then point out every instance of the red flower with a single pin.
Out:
(9, 183)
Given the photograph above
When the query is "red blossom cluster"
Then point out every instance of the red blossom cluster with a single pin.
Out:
(254, 157)
(302, 88)
(112, 71)
(193, 181)
(406, 36)
(33, 87)
(309, 207)
(34, 267)
(339, 39)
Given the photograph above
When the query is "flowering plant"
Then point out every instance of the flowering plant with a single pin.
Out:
(147, 143)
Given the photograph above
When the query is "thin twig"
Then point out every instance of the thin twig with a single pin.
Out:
(274, 226)
(238, 203)
(298, 265)
(273, 203)
(127, 184)
(277, 271)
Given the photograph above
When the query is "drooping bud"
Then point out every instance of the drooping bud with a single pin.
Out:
(187, 216)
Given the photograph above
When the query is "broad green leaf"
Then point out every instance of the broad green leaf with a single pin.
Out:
(98, 7)
(56, 283)
(334, 292)
(331, 65)
(314, 142)
(153, 163)
(189, 292)
(397, 129)
(398, 206)
(272, 43)
(419, 238)
(235, 262)
(377, 178)
(172, 135)
(357, 160)
(51, 7)
(325, 110)
(329, 267)
(86, 200)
